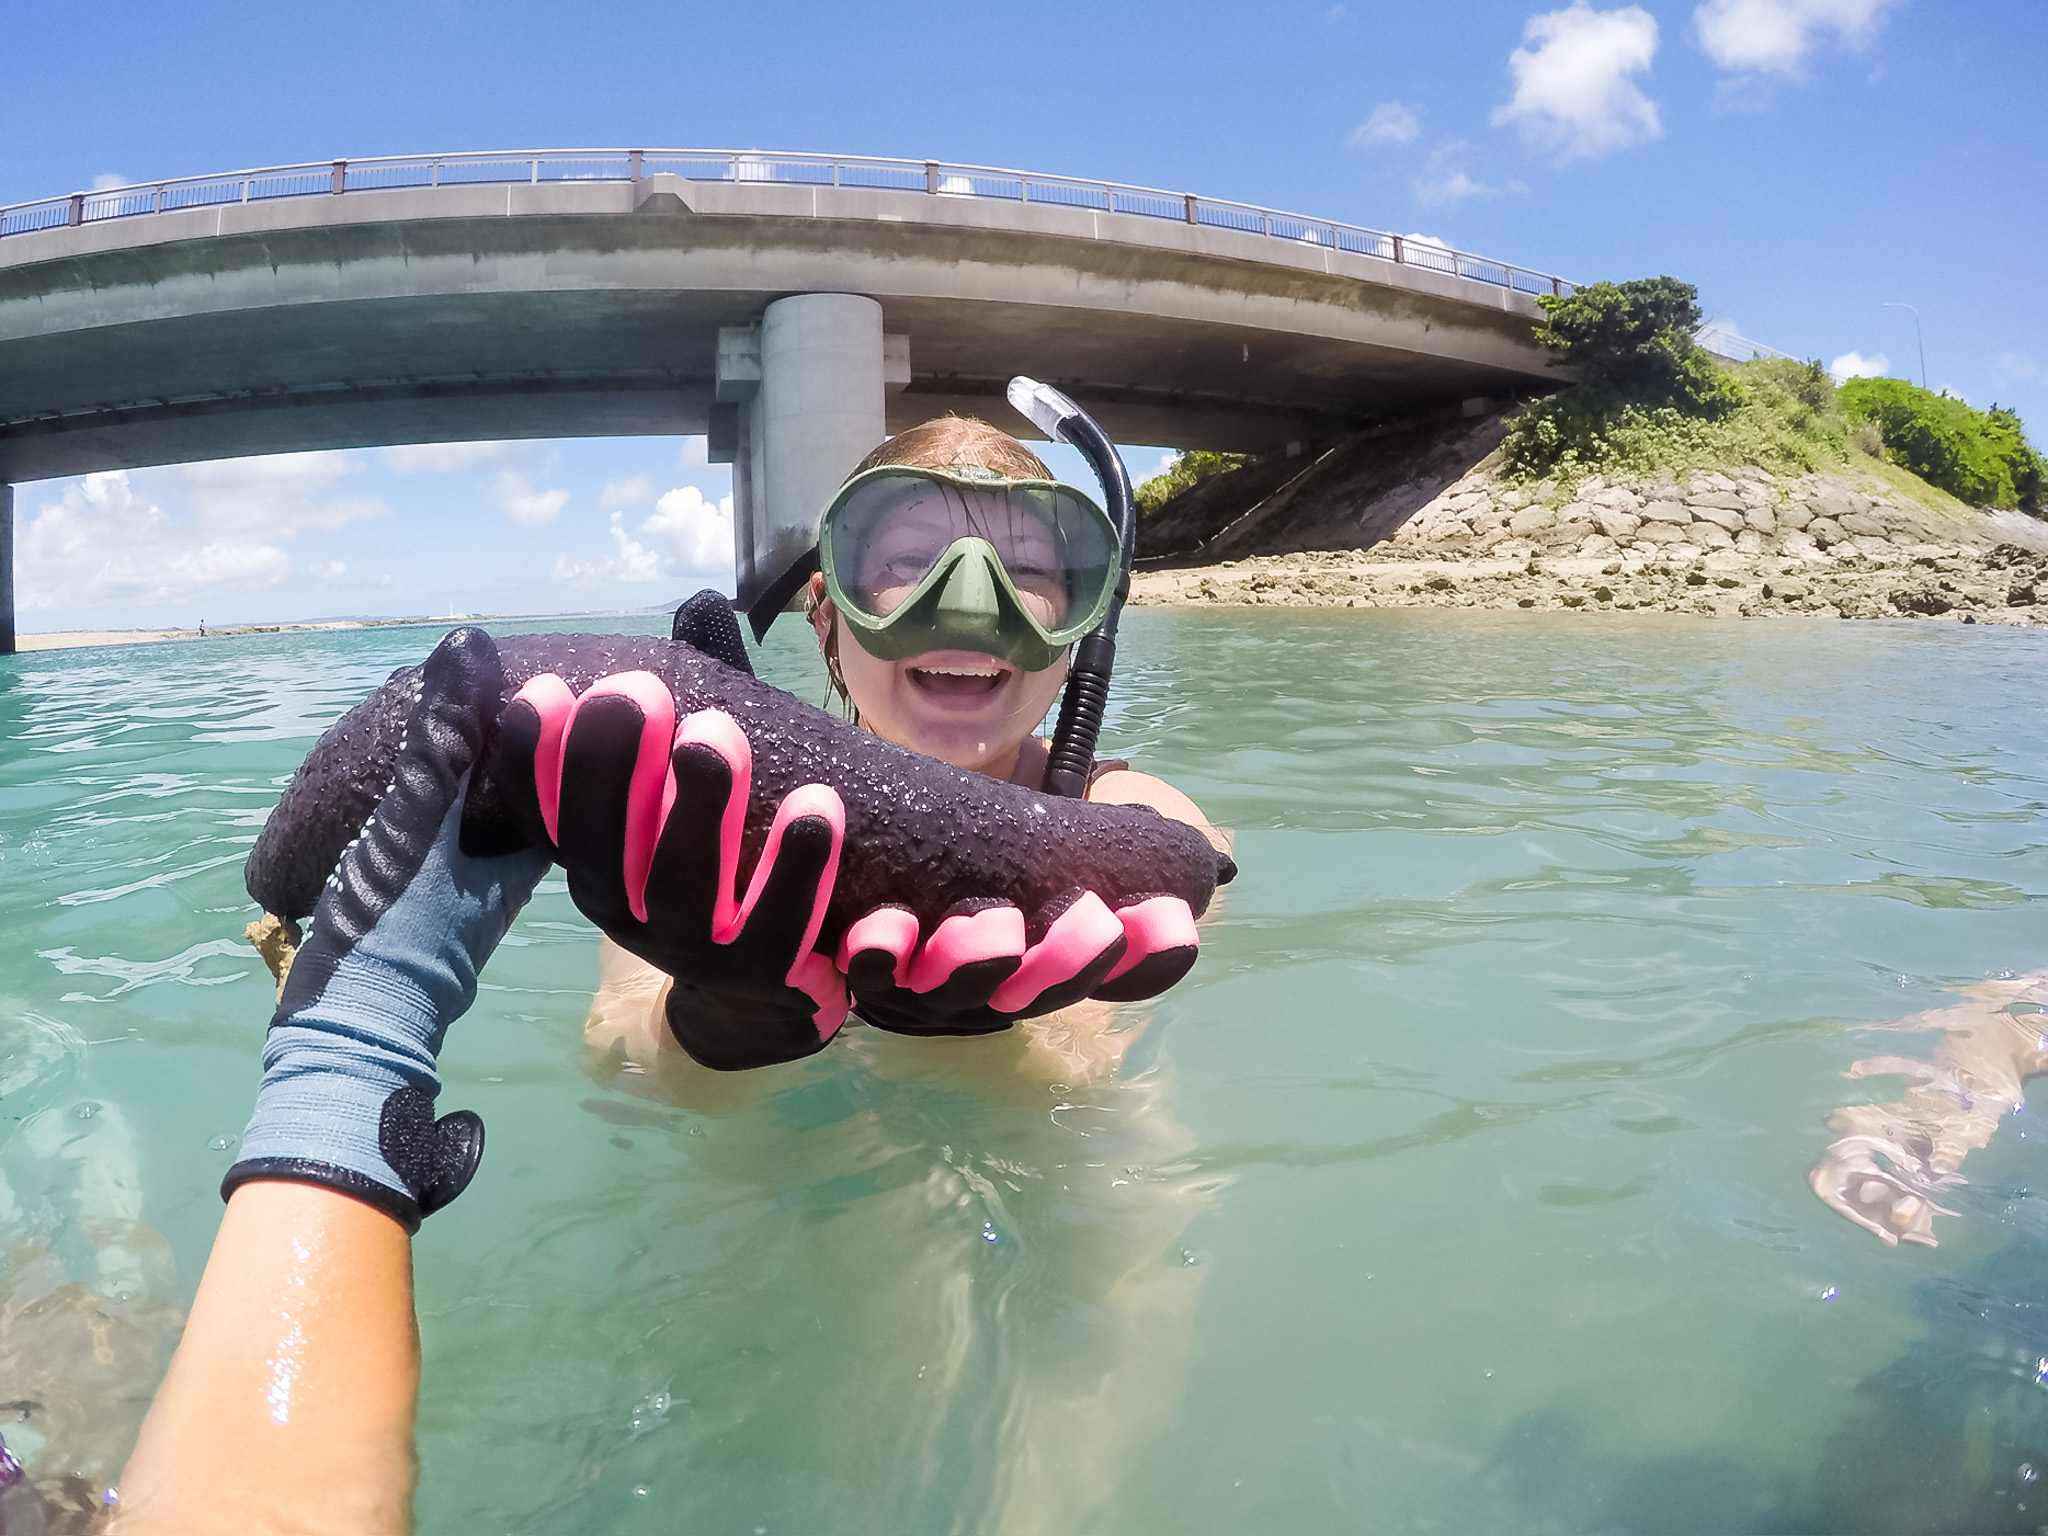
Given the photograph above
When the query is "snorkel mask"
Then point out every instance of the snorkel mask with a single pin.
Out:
(919, 560)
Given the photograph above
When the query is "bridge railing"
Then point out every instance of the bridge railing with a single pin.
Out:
(931, 178)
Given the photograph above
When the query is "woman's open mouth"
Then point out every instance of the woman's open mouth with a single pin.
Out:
(957, 677)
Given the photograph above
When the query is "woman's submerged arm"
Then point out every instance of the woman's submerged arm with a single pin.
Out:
(1890, 1162)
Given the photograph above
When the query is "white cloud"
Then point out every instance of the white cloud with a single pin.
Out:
(529, 508)
(1573, 95)
(1390, 123)
(2016, 367)
(1337, 13)
(108, 181)
(1854, 365)
(697, 532)
(100, 542)
(105, 539)
(1444, 182)
(439, 458)
(696, 452)
(327, 570)
(625, 493)
(1774, 37)
(685, 535)
(274, 495)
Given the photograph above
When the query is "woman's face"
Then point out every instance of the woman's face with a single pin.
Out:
(962, 707)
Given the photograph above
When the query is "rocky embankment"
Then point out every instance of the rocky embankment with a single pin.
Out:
(1744, 542)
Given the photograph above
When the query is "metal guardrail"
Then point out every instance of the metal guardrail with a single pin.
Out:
(931, 178)
(1725, 341)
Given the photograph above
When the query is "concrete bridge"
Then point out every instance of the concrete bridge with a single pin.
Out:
(796, 308)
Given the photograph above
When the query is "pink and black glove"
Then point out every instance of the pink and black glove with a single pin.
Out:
(646, 814)
(985, 965)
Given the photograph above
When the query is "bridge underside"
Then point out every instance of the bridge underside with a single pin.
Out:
(598, 309)
(375, 372)
(416, 319)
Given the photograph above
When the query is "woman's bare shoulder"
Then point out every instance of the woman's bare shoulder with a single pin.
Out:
(1127, 786)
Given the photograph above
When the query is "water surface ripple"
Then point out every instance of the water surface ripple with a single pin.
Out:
(1462, 1187)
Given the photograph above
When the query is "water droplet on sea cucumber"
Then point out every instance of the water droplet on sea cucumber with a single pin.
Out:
(1190, 1258)
(640, 1492)
(989, 1233)
(222, 1143)
(2027, 1472)
(86, 1110)
(1829, 1294)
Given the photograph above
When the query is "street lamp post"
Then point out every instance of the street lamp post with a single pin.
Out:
(1888, 304)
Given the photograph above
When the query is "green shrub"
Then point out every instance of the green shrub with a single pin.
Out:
(1787, 419)
(1632, 347)
(1184, 472)
(1982, 457)
(1632, 344)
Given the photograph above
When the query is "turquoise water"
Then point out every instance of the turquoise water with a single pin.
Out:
(1462, 1186)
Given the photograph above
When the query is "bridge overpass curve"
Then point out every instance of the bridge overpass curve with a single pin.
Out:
(587, 293)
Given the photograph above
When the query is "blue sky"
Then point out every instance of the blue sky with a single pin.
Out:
(1802, 161)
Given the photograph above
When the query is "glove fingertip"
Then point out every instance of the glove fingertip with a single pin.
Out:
(1148, 976)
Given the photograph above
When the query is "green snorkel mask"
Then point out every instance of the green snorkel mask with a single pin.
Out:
(962, 559)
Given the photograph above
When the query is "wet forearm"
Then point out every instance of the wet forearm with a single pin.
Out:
(289, 1405)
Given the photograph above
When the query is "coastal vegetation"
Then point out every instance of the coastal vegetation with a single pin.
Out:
(1648, 401)
(1187, 470)
(1981, 457)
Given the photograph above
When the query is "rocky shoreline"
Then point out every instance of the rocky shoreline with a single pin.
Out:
(1745, 542)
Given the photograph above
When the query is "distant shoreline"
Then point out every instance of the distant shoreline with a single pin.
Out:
(71, 639)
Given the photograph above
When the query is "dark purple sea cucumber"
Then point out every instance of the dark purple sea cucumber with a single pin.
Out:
(919, 834)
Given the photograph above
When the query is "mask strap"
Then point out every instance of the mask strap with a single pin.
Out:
(779, 592)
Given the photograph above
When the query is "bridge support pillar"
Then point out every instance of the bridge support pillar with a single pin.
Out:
(6, 570)
(812, 409)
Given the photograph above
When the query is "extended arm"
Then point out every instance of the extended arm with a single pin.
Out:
(289, 1404)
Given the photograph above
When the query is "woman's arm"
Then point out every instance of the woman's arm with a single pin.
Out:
(289, 1403)
(1131, 787)
(1889, 1162)
(1126, 786)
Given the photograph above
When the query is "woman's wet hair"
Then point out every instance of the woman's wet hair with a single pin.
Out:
(945, 441)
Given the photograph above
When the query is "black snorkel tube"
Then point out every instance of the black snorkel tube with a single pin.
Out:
(1073, 739)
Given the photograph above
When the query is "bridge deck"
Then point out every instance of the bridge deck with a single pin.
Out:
(577, 307)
